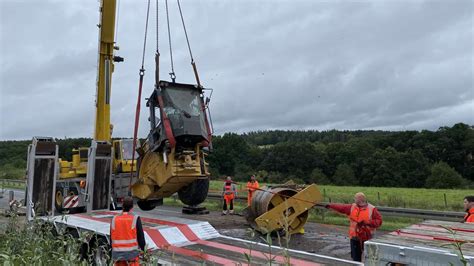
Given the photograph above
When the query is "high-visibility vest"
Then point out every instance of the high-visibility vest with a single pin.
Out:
(359, 214)
(252, 186)
(469, 217)
(123, 234)
(228, 189)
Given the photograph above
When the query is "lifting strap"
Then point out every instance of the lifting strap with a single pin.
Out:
(137, 112)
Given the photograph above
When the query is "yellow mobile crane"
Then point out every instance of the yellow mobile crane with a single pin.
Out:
(71, 186)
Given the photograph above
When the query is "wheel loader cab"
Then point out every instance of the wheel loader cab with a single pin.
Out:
(182, 106)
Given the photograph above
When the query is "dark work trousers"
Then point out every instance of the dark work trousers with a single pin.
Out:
(231, 205)
(356, 249)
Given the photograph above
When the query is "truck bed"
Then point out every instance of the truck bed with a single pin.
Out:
(185, 241)
(427, 243)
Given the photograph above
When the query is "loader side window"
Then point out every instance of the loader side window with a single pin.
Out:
(127, 148)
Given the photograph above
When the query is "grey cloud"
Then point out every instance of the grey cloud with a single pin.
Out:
(272, 64)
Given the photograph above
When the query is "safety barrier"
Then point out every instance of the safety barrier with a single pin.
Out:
(387, 211)
(390, 211)
(8, 183)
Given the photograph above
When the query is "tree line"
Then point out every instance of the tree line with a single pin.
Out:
(434, 159)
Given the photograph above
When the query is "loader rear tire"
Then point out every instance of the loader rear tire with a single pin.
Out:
(195, 193)
(146, 205)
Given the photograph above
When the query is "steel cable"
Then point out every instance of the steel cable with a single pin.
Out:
(172, 74)
(185, 32)
(137, 111)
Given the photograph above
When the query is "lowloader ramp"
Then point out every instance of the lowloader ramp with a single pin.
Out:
(430, 243)
(181, 241)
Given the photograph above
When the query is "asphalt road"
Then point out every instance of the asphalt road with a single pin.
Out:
(4, 197)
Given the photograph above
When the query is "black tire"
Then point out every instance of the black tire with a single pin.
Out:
(195, 193)
(57, 201)
(146, 205)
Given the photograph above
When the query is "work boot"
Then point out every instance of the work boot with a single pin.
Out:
(231, 212)
(224, 212)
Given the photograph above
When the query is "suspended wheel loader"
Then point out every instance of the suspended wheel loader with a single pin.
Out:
(283, 209)
(173, 157)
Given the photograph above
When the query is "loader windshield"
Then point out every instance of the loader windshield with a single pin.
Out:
(187, 102)
(184, 107)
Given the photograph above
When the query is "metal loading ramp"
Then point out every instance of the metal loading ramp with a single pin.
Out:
(182, 241)
(427, 243)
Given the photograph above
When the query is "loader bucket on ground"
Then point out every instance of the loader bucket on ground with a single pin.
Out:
(282, 208)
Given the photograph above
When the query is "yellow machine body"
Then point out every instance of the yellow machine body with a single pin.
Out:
(159, 179)
(122, 156)
(75, 168)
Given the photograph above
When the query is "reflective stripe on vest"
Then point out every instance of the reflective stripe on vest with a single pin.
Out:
(123, 235)
(123, 241)
(358, 215)
(228, 188)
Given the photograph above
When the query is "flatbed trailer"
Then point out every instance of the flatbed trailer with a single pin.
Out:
(181, 241)
(428, 243)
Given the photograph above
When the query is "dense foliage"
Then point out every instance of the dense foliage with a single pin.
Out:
(442, 158)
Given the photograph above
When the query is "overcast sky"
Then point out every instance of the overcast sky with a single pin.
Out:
(393, 65)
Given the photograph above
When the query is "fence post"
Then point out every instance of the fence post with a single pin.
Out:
(11, 196)
(445, 200)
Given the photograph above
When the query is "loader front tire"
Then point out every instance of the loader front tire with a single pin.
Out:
(195, 193)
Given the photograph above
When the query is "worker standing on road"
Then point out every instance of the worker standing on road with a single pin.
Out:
(469, 207)
(229, 192)
(126, 234)
(252, 185)
(364, 219)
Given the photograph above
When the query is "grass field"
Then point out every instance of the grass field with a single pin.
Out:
(432, 199)
(417, 198)
(316, 215)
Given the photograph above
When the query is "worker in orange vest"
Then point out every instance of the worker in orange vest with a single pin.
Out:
(364, 219)
(252, 185)
(469, 207)
(229, 192)
(126, 235)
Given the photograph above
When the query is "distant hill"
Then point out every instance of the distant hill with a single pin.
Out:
(442, 158)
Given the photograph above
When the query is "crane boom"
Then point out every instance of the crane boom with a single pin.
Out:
(105, 69)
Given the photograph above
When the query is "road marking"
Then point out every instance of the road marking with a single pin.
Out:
(255, 253)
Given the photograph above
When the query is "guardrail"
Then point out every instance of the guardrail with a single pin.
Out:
(386, 211)
(12, 183)
(391, 211)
